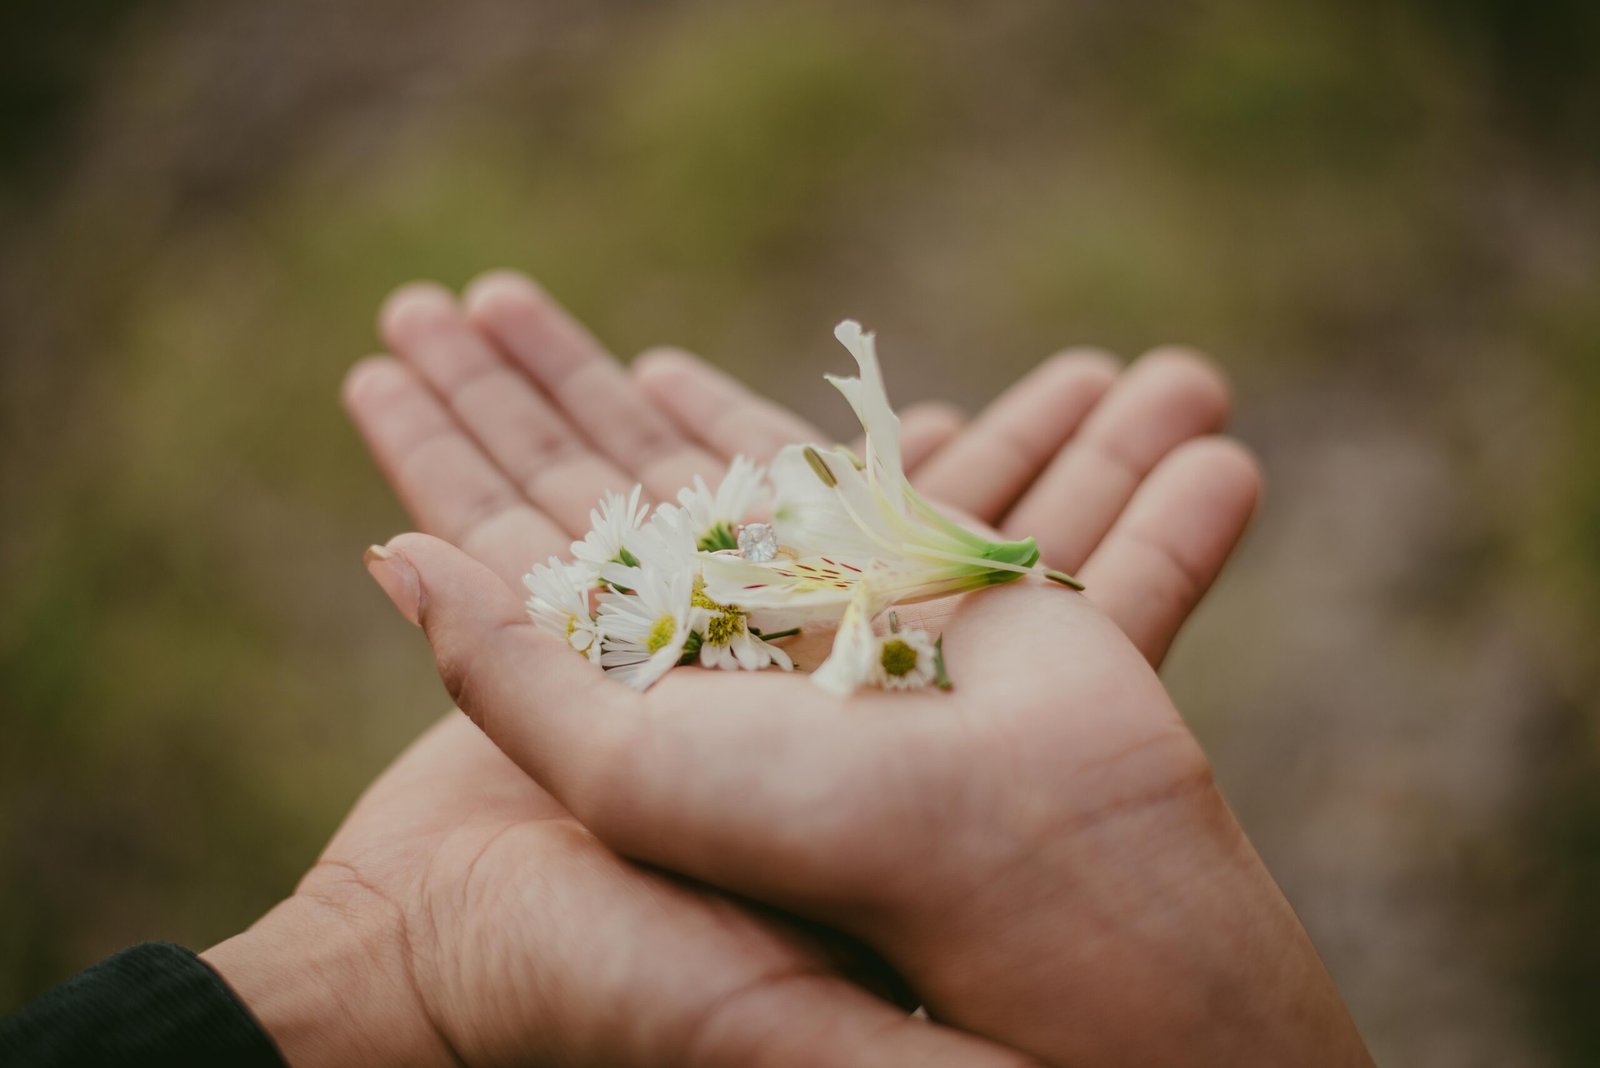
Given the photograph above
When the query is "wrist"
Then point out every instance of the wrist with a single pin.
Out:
(328, 982)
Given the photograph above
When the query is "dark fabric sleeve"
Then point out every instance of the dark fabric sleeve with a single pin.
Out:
(153, 1004)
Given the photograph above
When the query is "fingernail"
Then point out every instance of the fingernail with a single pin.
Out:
(398, 579)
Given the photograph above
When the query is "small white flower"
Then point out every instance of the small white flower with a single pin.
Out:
(715, 517)
(614, 524)
(666, 543)
(560, 604)
(726, 640)
(644, 632)
(905, 659)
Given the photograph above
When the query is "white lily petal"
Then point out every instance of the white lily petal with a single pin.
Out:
(870, 399)
(850, 665)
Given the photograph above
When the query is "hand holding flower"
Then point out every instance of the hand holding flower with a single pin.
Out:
(1042, 854)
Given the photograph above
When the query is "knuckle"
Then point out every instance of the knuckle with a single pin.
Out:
(479, 511)
(469, 668)
(549, 444)
(647, 436)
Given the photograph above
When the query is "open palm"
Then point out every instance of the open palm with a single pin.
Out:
(499, 433)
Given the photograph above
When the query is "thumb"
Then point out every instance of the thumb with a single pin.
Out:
(529, 692)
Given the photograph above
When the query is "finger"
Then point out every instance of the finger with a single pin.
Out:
(987, 468)
(1173, 540)
(1163, 400)
(716, 409)
(650, 775)
(441, 476)
(810, 1019)
(543, 455)
(493, 660)
(592, 389)
(925, 428)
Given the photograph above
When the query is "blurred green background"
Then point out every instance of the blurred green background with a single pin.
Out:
(1382, 218)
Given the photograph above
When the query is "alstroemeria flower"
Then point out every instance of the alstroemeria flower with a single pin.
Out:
(849, 665)
(850, 521)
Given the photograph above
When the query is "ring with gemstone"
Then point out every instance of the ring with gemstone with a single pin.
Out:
(758, 543)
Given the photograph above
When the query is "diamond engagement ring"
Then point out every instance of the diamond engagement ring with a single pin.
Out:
(758, 543)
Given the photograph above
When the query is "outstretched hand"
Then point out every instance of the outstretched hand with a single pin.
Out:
(1042, 854)
(496, 921)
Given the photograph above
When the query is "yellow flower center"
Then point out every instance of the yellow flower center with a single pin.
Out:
(898, 658)
(724, 627)
(700, 600)
(661, 634)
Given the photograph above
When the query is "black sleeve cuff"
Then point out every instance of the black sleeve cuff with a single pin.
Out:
(155, 1004)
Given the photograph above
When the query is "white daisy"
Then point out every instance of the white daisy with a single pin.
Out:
(644, 632)
(726, 640)
(613, 526)
(905, 659)
(667, 542)
(715, 517)
(560, 604)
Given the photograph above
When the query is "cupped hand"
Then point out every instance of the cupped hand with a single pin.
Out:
(461, 914)
(468, 428)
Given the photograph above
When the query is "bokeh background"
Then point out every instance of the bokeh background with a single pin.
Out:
(1383, 218)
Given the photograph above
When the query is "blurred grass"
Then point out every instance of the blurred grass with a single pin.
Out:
(1392, 200)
